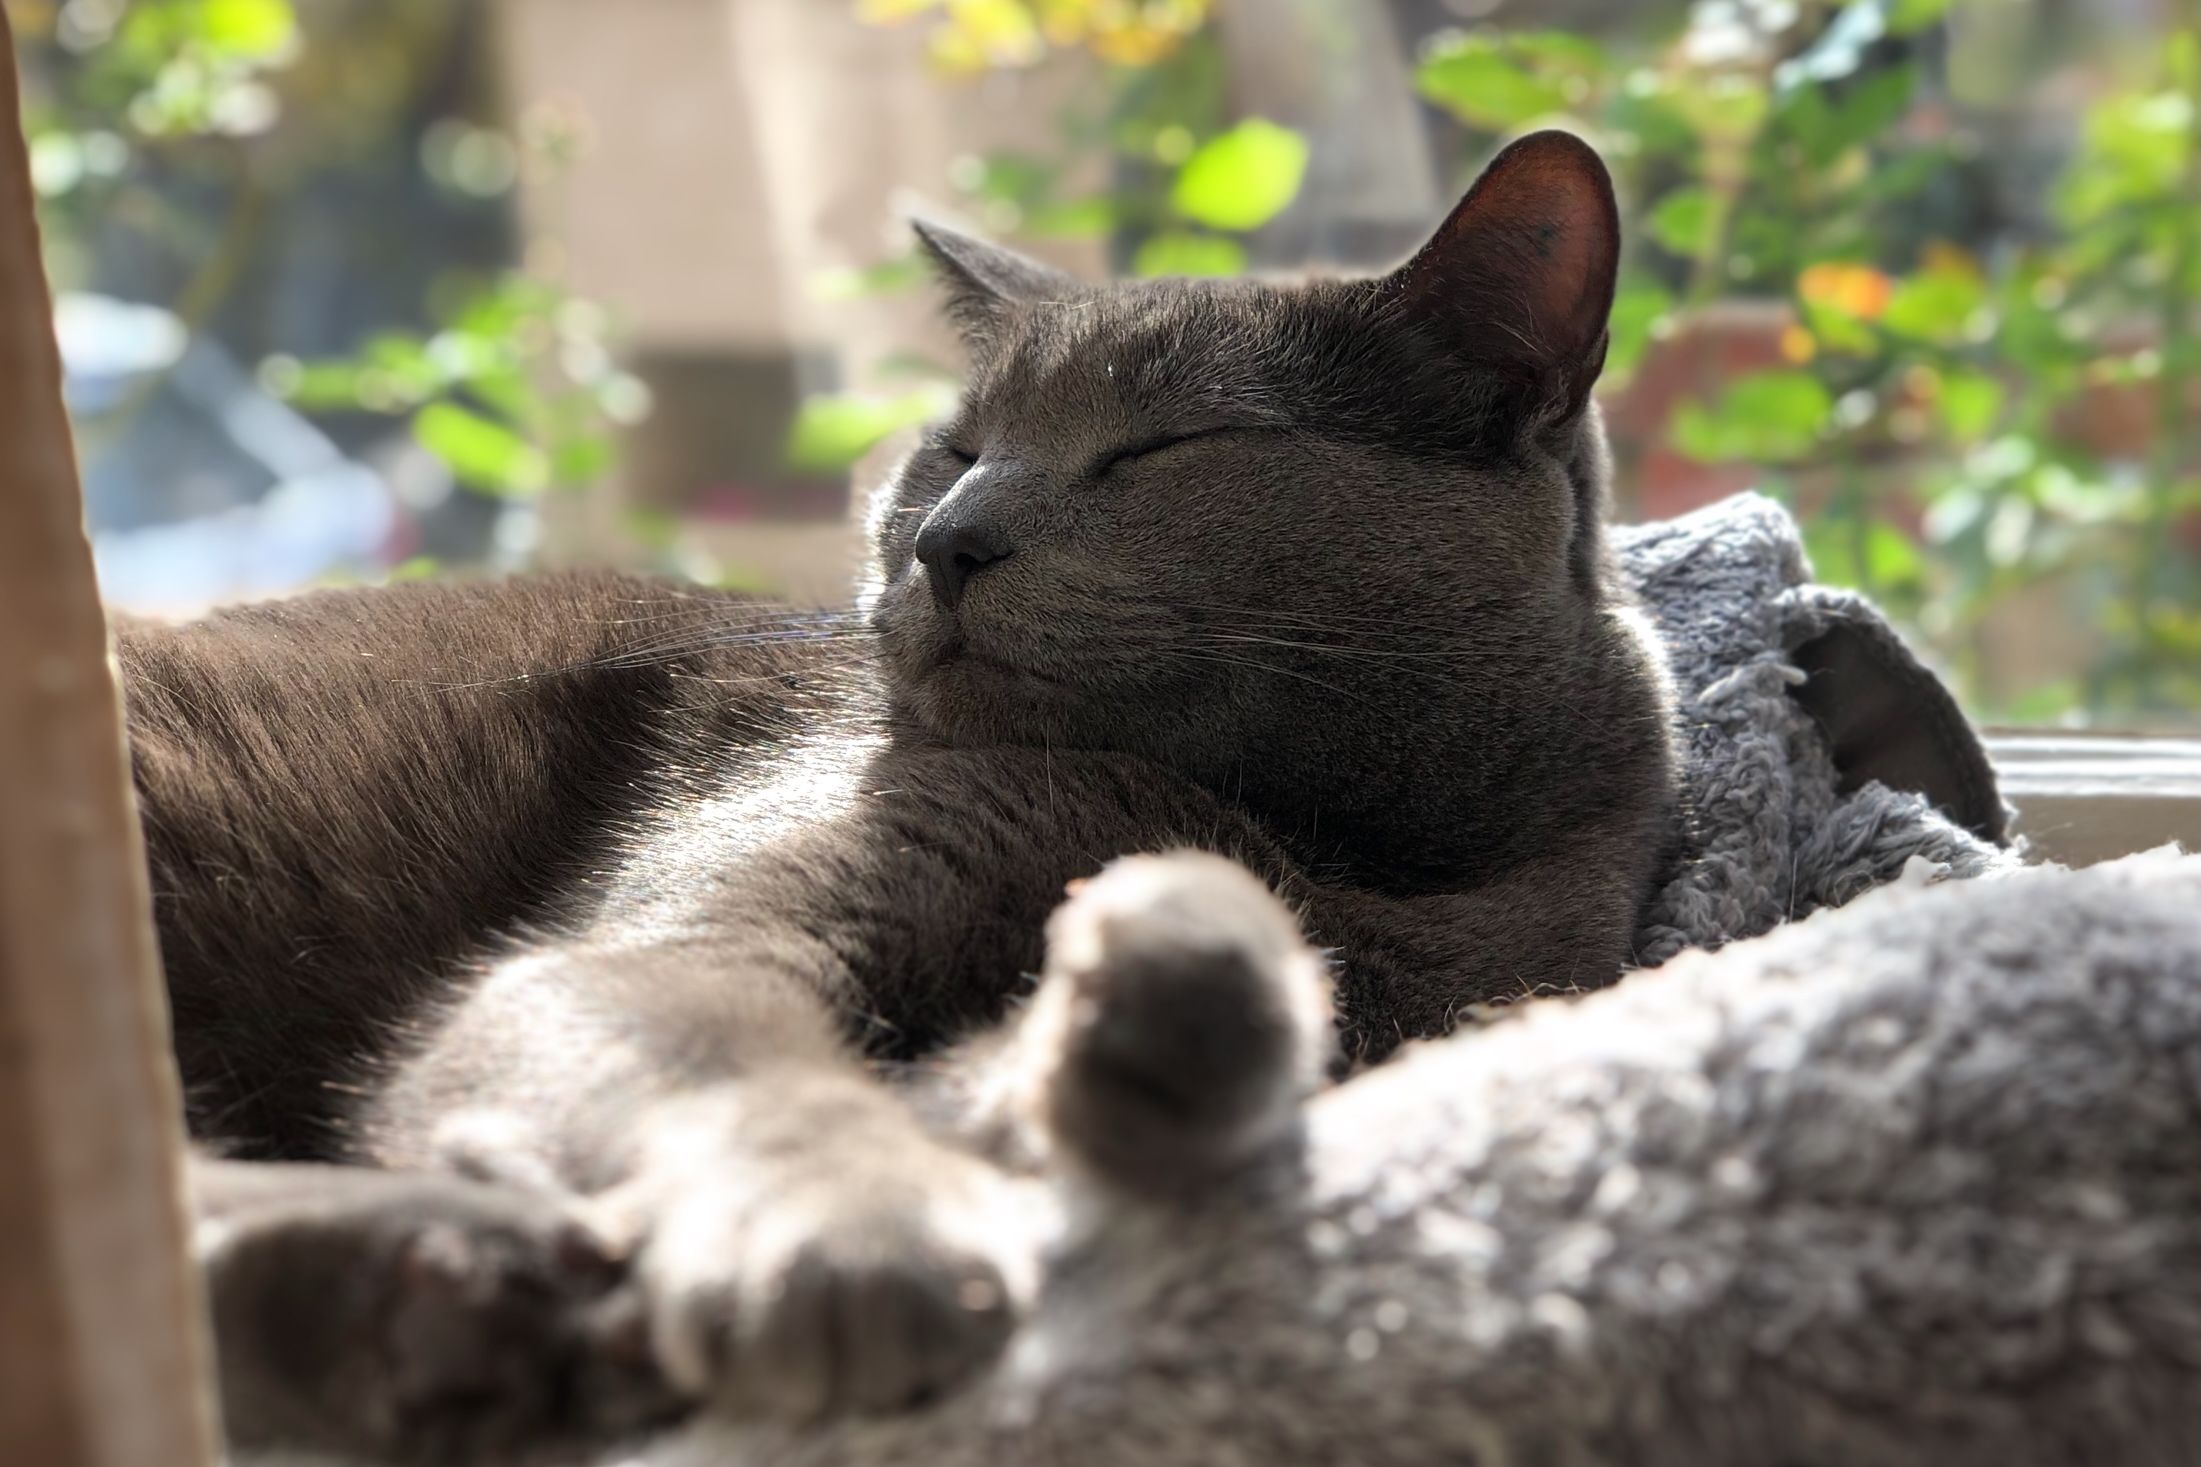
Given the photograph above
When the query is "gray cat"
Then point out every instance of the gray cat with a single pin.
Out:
(1312, 576)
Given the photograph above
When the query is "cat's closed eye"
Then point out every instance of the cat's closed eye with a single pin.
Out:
(1147, 447)
(943, 443)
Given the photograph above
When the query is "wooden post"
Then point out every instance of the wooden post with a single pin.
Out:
(103, 1345)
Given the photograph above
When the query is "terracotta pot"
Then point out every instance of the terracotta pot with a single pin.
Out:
(1706, 349)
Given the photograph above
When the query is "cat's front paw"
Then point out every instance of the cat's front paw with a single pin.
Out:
(417, 1319)
(829, 1263)
(1181, 1020)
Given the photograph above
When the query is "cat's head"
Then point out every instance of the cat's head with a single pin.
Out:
(1261, 526)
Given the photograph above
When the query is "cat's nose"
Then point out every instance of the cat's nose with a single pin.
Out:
(957, 541)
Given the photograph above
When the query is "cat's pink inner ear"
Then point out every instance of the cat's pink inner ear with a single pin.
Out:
(1521, 275)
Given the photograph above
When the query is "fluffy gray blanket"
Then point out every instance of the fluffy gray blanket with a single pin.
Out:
(1773, 828)
(1916, 1180)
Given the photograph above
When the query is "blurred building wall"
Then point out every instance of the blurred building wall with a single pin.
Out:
(1342, 76)
(657, 205)
(726, 156)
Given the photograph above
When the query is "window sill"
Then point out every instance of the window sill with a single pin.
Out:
(2083, 798)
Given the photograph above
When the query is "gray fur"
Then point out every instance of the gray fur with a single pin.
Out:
(1312, 576)
(1913, 1182)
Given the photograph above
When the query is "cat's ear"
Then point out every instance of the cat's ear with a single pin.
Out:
(1519, 279)
(982, 282)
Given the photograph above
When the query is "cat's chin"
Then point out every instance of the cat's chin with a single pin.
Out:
(970, 698)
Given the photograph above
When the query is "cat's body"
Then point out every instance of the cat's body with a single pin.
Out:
(1312, 577)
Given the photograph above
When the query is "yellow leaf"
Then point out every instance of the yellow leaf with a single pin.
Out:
(1002, 30)
(892, 12)
(1855, 290)
(953, 52)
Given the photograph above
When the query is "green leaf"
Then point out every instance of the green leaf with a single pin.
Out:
(1838, 330)
(1970, 402)
(913, 366)
(657, 529)
(1014, 178)
(1826, 128)
(1908, 17)
(405, 364)
(1243, 178)
(2047, 703)
(1562, 51)
(1936, 305)
(252, 29)
(2135, 152)
(885, 278)
(1725, 108)
(509, 393)
(834, 430)
(1683, 220)
(1769, 417)
(1638, 307)
(1891, 559)
(1475, 79)
(581, 461)
(1180, 252)
(323, 386)
(1645, 111)
(1889, 562)
(1091, 218)
(484, 454)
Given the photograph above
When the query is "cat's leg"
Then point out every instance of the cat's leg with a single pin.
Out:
(414, 1318)
(346, 794)
(692, 1069)
(810, 1250)
(806, 1247)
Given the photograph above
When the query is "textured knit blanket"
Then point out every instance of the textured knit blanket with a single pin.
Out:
(1776, 679)
(1917, 1180)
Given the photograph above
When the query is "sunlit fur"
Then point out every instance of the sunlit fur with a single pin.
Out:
(629, 892)
(1340, 589)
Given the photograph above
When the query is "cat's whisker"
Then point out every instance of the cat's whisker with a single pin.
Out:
(1553, 706)
(674, 650)
(805, 628)
(1359, 652)
(1423, 667)
(634, 660)
(1338, 620)
(810, 672)
(1258, 666)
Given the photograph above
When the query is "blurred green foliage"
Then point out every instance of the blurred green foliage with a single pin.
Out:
(1183, 183)
(968, 36)
(1965, 419)
(1932, 418)
(516, 391)
(832, 431)
(1938, 407)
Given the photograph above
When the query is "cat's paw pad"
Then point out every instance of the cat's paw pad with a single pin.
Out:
(422, 1319)
(1181, 1019)
(823, 1289)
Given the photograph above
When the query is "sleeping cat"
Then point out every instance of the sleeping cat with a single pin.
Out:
(588, 912)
